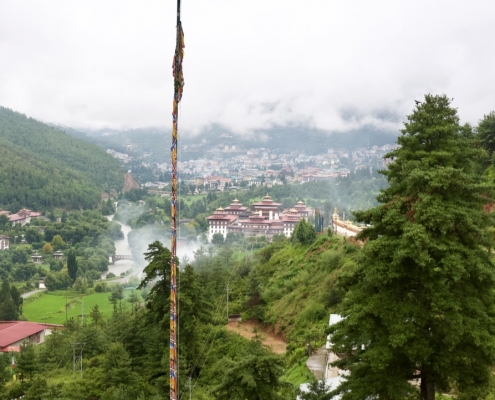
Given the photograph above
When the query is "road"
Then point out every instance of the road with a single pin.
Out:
(31, 293)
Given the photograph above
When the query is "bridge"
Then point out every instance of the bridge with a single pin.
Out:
(118, 257)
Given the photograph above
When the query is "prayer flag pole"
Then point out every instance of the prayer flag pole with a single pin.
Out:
(178, 86)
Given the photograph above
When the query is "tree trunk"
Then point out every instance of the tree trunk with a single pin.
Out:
(427, 388)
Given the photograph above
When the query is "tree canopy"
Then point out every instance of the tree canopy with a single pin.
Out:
(486, 132)
(43, 167)
(420, 303)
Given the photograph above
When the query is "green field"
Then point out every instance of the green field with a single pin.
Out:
(49, 307)
(188, 198)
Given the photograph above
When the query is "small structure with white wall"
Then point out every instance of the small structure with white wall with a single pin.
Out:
(36, 258)
(332, 372)
(343, 228)
(41, 284)
(4, 242)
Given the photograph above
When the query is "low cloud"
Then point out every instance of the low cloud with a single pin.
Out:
(248, 66)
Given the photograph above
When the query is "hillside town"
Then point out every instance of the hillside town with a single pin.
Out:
(223, 165)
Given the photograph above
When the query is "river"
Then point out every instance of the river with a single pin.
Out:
(122, 248)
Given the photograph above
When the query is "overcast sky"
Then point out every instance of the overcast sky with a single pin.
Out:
(330, 64)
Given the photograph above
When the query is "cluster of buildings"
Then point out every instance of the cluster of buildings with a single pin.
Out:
(265, 219)
(124, 157)
(266, 167)
(23, 217)
(229, 165)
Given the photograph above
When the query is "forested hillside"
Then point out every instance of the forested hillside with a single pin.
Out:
(289, 286)
(43, 167)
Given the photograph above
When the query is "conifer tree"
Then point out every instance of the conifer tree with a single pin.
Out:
(486, 132)
(72, 265)
(421, 304)
(27, 361)
(8, 308)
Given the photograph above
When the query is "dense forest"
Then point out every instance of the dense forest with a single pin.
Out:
(87, 233)
(287, 285)
(42, 167)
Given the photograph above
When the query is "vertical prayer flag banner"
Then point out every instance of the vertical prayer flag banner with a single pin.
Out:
(178, 87)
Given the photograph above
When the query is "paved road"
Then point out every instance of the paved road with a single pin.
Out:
(317, 363)
(31, 293)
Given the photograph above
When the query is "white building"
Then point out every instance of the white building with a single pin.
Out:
(266, 220)
(343, 228)
(4, 242)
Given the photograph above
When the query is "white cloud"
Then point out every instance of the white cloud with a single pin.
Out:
(249, 64)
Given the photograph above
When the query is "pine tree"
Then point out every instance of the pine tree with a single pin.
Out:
(486, 132)
(253, 374)
(8, 308)
(420, 304)
(117, 365)
(304, 232)
(196, 311)
(27, 361)
(72, 265)
(317, 390)
(96, 315)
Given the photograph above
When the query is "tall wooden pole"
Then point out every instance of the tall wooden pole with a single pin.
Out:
(178, 86)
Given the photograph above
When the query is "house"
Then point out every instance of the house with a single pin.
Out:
(4, 242)
(14, 333)
(23, 217)
(235, 318)
(58, 255)
(36, 258)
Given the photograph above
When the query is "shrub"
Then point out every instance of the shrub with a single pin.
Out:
(101, 287)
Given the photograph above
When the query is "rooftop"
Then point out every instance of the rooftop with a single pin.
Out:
(13, 331)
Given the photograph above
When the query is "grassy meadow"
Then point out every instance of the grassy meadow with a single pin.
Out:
(50, 307)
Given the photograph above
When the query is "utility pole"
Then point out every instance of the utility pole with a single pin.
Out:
(77, 359)
(190, 388)
(227, 303)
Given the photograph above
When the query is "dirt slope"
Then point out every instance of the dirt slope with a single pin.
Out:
(247, 329)
(130, 183)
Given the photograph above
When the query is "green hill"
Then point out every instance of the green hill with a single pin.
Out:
(298, 284)
(43, 167)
